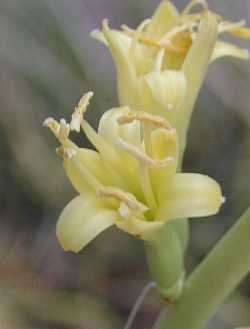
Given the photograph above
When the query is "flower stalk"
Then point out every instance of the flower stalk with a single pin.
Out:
(213, 280)
(165, 247)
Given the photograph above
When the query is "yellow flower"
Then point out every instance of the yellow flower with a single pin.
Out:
(162, 64)
(130, 180)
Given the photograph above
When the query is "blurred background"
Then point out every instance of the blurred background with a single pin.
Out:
(47, 61)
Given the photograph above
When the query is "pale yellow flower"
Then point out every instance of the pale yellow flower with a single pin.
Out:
(130, 180)
(162, 64)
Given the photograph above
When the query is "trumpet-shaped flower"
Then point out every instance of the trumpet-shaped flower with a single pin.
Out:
(162, 64)
(130, 178)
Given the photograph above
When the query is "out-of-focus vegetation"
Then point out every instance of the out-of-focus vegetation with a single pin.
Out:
(47, 61)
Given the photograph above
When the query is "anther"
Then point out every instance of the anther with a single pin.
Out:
(52, 124)
(141, 38)
(60, 130)
(64, 130)
(80, 110)
(65, 152)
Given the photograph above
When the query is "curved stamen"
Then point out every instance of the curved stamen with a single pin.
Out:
(176, 30)
(145, 162)
(138, 37)
(125, 197)
(143, 158)
(145, 117)
(109, 154)
(194, 3)
(61, 130)
(153, 42)
(228, 26)
(141, 38)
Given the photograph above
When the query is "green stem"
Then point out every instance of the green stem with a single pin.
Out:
(213, 280)
(164, 253)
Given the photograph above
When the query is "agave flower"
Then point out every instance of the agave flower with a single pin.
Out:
(130, 180)
(162, 64)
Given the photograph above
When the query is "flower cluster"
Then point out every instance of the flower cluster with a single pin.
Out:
(162, 64)
(131, 179)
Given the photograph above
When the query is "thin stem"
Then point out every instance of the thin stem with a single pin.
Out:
(213, 280)
(138, 304)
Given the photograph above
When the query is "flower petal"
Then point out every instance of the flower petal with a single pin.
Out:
(164, 145)
(86, 170)
(189, 195)
(168, 89)
(107, 151)
(110, 129)
(127, 55)
(111, 132)
(223, 49)
(195, 66)
(163, 19)
(113, 158)
(82, 220)
(99, 36)
(119, 44)
(139, 227)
